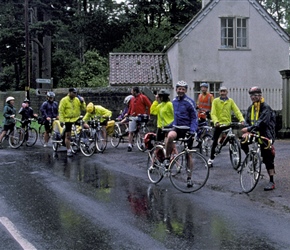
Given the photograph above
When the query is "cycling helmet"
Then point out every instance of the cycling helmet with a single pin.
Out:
(50, 94)
(90, 107)
(204, 84)
(255, 90)
(181, 84)
(163, 92)
(10, 98)
(127, 99)
(26, 100)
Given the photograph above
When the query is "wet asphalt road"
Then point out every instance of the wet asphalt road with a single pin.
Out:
(107, 202)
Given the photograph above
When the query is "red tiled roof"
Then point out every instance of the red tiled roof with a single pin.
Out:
(139, 69)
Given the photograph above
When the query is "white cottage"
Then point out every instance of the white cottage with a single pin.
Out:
(235, 43)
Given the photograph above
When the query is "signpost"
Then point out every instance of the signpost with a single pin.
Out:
(43, 86)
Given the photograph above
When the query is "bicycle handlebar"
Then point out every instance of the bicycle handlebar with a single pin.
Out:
(257, 136)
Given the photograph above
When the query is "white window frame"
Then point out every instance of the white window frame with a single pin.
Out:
(234, 32)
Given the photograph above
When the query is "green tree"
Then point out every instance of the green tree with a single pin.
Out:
(280, 10)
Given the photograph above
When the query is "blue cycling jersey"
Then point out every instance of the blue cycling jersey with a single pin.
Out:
(185, 112)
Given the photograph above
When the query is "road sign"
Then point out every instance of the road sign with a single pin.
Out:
(43, 80)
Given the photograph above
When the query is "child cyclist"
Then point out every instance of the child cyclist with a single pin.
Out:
(9, 113)
(27, 113)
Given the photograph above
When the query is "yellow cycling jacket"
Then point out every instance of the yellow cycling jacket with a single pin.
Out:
(221, 111)
(70, 109)
(164, 112)
(99, 111)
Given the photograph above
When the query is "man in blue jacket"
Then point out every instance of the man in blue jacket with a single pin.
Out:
(185, 115)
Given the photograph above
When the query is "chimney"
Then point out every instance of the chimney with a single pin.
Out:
(205, 2)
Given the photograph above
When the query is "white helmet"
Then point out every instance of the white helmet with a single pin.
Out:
(10, 98)
(181, 84)
(127, 99)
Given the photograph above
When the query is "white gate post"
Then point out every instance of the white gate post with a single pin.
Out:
(285, 131)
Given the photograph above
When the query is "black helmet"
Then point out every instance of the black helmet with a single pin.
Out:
(163, 92)
(26, 100)
(255, 90)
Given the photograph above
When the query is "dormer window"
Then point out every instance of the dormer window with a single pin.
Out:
(234, 33)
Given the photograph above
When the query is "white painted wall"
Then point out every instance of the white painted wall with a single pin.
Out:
(197, 55)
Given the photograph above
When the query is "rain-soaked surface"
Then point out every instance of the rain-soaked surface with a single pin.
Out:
(107, 202)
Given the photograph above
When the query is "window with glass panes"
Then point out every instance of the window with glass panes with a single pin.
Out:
(234, 32)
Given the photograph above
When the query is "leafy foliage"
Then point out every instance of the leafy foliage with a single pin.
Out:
(78, 35)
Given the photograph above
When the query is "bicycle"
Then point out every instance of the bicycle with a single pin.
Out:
(99, 133)
(58, 137)
(204, 138)
(14, 138)
(30, 134)
(119, 134)
(141, 131)
(234, 145)
(178, 168)
(250, 170)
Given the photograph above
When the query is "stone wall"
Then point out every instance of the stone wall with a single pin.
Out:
(108, 97)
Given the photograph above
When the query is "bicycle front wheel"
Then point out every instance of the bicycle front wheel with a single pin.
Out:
(206, 145)
(41, 132)
(32, 137)
(235, 153)
(101, 142)
(140, 140)
(189, 165)
(116, 136)
(250, 172)
(155, 171)
(16, 137)
(87, 144)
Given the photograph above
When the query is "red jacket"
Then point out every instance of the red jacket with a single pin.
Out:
(139, 105)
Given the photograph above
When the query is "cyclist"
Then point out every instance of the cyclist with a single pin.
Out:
(139, 104)
(163, 108)
(97, 110)
(26, 112)
(204, 103)
(49, 111)
(261, 118)
(184, 115)
(69, 109)
(122, 117)
(9, 113)
(221, 114)
(204, 100)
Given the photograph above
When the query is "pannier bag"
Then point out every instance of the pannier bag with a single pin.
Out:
(110, 127)
(143, 118)
(149, 140)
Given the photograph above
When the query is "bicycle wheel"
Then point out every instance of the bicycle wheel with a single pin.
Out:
(235, 152)
(41, 132)
(16, 137)
(101, 143)
(206, 145)
(32, 137)
(155, 171)
(116, 136)
(75, 143)
(180, 172)
(87, 144)
(250, 172)
(140, 139)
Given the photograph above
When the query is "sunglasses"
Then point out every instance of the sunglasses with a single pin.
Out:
(254, 95)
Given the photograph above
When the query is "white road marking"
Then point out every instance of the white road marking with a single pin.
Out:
(16, 235)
